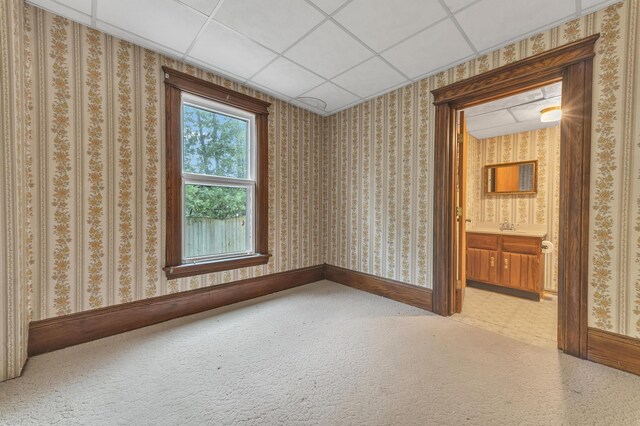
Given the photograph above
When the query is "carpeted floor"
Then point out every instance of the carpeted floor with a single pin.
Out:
(530, 321)
(319, 354)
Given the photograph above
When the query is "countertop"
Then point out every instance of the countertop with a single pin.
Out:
(518, 232)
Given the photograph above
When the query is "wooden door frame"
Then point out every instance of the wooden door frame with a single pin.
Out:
(573, 65)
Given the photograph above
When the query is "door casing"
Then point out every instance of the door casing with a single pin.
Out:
(573, 65)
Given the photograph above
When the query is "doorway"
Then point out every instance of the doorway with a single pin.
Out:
(507, 196)
(572, 65)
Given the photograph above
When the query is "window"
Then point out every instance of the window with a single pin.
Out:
(216, 177)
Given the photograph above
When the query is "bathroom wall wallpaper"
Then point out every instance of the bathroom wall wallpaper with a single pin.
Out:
(13, 290)
(95, 172)
(542, 208)
(379, 196)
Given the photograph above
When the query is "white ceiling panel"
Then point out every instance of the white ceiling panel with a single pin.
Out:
(596, 4)
(204, 6)
(334, 96)
(456, 5)
(83, 6)
(229, 51)
(328, 51)
(369, 78)
(519, 99)
(490, 119)
(426, 51)
(284, 76)
(531, 111)
(276, 24)
(383, 23)
(329, 6)
(552, 90)
(165, 22)
(510, 129)
(490, 23)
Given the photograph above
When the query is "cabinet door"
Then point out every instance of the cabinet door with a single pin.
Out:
(482, 265)
(521, 271)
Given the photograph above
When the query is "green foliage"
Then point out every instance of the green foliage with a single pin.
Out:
(215, 202)
(215, 145)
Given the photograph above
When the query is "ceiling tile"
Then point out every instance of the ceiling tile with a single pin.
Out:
(165, 22)
(276, 24)
(369, 78)
(491, 119)
(83, 6)
(531, 111)
(204, 6)
(519, 99)
(596, 4)
(383, 23)
(286, 77)
(553, 90)
(516, 18)
(328, 5)
(225, 49)
(456, 5)
(328, 51)
(334, 96)
(511, 129)
(429, 50)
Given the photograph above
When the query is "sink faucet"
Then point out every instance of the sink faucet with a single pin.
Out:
(506, 226)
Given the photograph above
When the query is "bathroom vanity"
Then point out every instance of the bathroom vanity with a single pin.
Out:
(510, 259)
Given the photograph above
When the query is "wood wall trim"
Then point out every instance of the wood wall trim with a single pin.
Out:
(68, 330)
(572, 64)
(614, 350)
(391, 289)
(189, 83)
(543, 67)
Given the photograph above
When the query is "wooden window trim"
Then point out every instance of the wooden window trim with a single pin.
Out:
(176, 83)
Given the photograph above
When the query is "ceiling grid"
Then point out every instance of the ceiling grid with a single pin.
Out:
(339, 51)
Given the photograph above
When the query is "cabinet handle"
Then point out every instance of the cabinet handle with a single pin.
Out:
(492, 261)
(506, 263)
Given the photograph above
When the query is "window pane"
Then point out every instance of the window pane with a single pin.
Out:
(215, 220)
(214, 144)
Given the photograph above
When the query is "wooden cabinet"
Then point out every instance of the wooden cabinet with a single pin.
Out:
(506, 260)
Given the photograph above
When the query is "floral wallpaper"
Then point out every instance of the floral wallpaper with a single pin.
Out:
(542, 208)
(95, 168)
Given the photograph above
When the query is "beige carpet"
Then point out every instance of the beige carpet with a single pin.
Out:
(534, 322)
(319, 354)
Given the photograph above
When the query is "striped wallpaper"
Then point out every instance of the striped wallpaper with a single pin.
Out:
(13, 289)
(541, 208)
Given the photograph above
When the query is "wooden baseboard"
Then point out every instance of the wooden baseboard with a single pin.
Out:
(614, 350)
(396, 290)
(68, 330)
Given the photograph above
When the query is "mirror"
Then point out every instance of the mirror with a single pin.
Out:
(511, 178)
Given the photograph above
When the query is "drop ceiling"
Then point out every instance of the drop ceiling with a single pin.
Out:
(514, 114)
(339, 51)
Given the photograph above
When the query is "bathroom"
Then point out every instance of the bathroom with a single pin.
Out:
(511, 212)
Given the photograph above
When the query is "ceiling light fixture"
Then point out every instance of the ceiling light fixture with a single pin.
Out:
(550, 114)
(314, 102)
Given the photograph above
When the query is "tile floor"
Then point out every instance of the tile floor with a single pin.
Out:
(521, 319)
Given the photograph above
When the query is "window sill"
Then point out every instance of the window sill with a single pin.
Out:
(192, 269)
